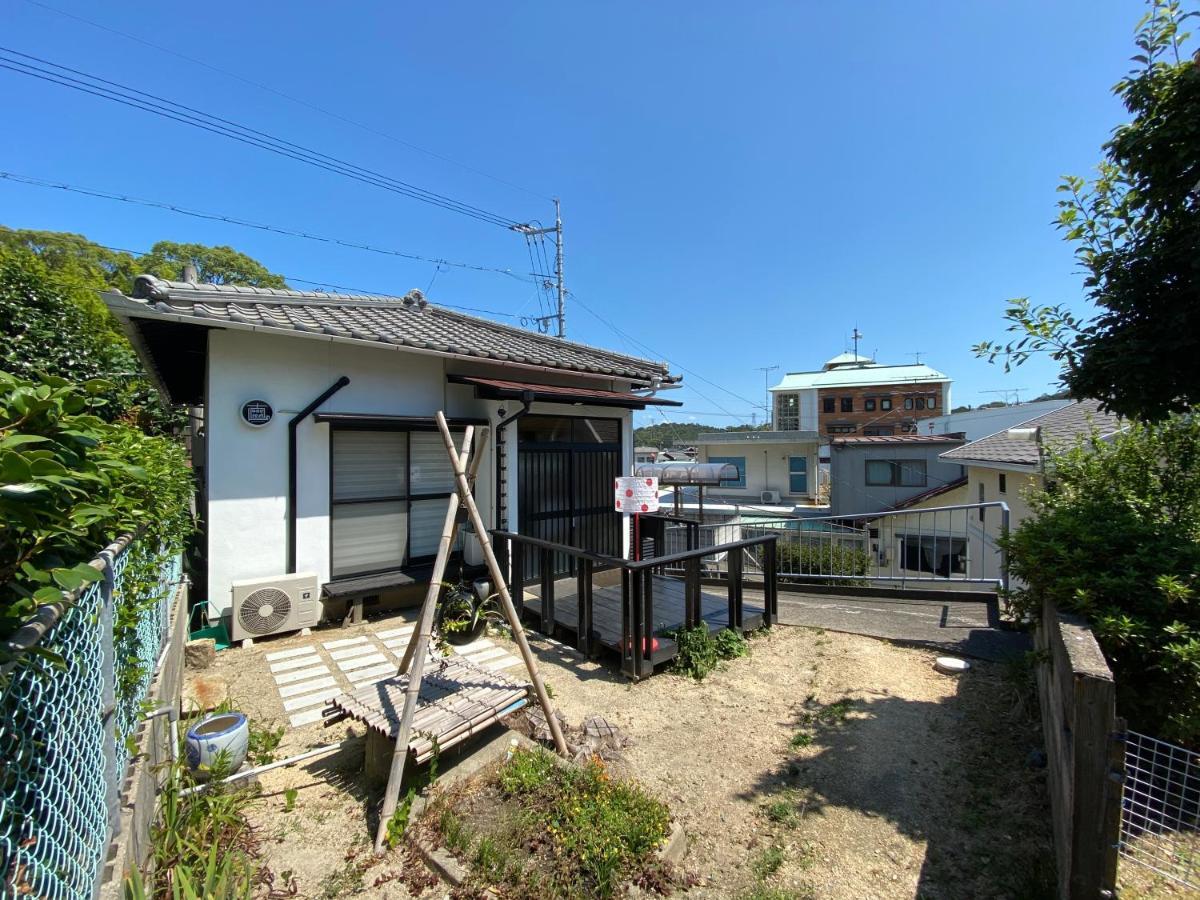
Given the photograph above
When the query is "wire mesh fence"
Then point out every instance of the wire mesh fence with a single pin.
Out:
(70, 701)
(1160, 811)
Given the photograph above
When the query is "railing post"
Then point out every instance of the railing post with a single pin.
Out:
(546, 563)
(108, 688)
(735, 589)
(583, 594)
(647, 637)
(770, 583)
(626, 644)
(1004, 521)
(691, 592)
(635, 622)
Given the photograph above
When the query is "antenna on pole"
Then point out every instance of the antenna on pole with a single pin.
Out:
(766, 370)
(1014, 393)
(917, 354)
(857, 336)
(531, 231)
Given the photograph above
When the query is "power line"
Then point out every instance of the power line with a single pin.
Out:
(178, 112)
(653, 352)
(286, 96)
(232, 220)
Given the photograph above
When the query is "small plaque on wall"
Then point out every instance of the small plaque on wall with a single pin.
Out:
(257, 413)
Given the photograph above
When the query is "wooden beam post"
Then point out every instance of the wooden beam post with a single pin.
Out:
(414, 656)
(501, 587)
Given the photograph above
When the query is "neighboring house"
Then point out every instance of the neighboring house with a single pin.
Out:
(320, 449)
(880, 473)
(645, 454)
(856, 395)
(677, 455)
(777, 469)
(1005, 466)
(979, 423)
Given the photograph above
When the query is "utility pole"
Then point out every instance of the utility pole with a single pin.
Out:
(766, 370)
(531, 231)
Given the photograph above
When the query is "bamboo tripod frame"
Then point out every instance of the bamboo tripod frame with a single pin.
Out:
(415, 654)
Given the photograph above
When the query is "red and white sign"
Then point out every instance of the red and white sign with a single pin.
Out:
(636, 495)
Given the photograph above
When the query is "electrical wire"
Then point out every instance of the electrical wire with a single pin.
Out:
(286, 96)
(654, 352)
(232, 220)
(169, 109)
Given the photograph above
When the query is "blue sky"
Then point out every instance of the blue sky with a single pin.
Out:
(740, 189)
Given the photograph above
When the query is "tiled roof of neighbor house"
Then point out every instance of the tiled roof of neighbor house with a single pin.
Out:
(931, 493)
(860, 376)
(870, 439)
(408, 321)
(1060, 429)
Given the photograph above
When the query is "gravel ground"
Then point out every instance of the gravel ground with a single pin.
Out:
(923, 790)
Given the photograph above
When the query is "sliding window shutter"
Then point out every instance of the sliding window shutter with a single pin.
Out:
(370, 509)
(431, 469)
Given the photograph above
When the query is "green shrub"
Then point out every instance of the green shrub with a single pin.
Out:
(806, 557)
(1115, 536)
(699, 652)
(599, 830)
(69, 483)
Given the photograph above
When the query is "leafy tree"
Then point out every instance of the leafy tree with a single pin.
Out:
(216, 265)
(1136, 230)
(74, 256)
(669, 434)
(69, 483)
(1115, 536)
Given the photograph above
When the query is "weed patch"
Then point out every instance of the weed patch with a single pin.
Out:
(556, 831)
(699, 652)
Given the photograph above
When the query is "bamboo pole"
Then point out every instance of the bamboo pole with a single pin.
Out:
(501, 587)
(414, 663)
(451, 521)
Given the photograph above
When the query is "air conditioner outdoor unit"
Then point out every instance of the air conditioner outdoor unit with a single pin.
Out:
(768, 497)
(266, 606)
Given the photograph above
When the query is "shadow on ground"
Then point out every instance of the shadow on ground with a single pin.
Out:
(969, 790)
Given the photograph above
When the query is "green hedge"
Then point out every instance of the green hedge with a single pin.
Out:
(805, 557)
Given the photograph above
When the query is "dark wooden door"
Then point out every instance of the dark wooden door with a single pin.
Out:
(565, 471)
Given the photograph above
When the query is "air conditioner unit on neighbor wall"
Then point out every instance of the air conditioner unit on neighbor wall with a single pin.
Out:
(274, 605)
(768, 497)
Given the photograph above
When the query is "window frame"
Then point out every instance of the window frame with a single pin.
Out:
(846, 404)
(409, 498)
(897, 468)
(787, 412)
(801, 472)
(829, 404)
(908, 402)
(885, 404)
(869, 404)
(1002, 480)
(740, 462)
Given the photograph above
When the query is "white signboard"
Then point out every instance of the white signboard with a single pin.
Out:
(635, 494)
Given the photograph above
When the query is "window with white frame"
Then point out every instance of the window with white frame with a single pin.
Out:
(787, 412)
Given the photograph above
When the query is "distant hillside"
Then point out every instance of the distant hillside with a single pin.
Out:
(668, 434)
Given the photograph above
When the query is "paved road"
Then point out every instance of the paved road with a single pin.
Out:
(965, 628)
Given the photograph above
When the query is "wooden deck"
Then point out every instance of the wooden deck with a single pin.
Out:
(457, 699)
(606, 612)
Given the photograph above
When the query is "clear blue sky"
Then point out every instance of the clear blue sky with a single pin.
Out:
(739, 188)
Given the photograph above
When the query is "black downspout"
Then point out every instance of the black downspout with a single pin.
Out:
(526, 403)
(293, 424)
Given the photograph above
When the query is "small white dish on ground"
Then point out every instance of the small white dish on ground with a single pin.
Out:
(951, 665)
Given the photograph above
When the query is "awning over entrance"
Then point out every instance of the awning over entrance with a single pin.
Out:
(499, 389)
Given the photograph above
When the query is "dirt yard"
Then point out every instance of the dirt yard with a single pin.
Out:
(821, 765)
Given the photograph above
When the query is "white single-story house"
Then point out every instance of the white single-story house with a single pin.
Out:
(317, 448)
(777, 470)
(876, 473)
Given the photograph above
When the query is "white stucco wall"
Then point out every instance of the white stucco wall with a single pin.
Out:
(766, 467)
(248, 467)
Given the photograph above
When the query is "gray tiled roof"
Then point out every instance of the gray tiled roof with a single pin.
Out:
(1060, 429)
(407, 321)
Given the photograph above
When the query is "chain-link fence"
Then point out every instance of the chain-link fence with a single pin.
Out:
(70, 701)
(1160, 811)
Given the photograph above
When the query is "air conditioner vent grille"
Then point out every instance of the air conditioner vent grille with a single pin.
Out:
(264, 610)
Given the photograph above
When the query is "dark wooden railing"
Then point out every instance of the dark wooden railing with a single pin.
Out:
(637, 588)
